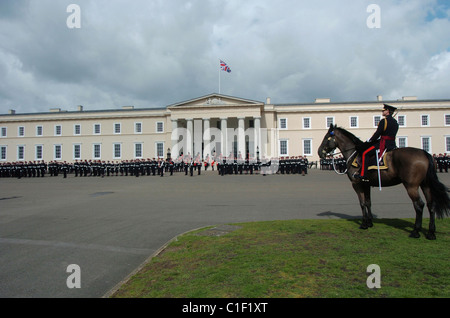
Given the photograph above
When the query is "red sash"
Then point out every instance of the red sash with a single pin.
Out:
(383, 143)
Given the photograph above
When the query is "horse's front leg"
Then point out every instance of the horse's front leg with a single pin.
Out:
(366, 222)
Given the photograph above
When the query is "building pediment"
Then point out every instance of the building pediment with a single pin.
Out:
(214, 100)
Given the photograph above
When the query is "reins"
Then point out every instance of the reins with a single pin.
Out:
(348, 160)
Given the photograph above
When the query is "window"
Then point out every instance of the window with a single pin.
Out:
(159, 127)
(117, 151)
(426, 144)
(57, 152)
(354, 122)
(58, 130)
(97, 151)
(97, 129)
(2, 152)
(425, 120)
(283, 123)
(284, 148)
(251, 123)
(3, 132)
(306, 122)
(20, 152)
(376, 120)
(39, 131)
(117, 128)
(401, 119)
(77, 151)
(160, 149)
(38, 152)
(307, 147)
(329, 121)
(447, 120)
(402, 142)
(447, 144)
(21, 131)
(77, 129)
(138, 150)
(138, 128)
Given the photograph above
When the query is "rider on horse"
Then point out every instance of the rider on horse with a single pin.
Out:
(382, 139)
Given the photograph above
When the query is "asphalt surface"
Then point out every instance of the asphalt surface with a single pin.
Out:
(109, 226)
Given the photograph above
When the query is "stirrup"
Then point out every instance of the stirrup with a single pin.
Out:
(356, 175)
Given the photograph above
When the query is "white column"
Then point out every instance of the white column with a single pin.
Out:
(257, 135)
(206, 137)
(189, 137)
(223, 139)
(241, 137)
(198, 137)
(174, 139)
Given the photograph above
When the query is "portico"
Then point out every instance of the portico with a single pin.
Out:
(210, 126)
(226, 136)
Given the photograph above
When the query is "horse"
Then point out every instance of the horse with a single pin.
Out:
(409, 166)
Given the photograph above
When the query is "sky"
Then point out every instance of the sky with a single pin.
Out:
(154, 53)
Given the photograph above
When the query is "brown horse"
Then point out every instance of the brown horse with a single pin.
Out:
(412, 167)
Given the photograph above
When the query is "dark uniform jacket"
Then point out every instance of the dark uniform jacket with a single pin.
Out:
(386, 131)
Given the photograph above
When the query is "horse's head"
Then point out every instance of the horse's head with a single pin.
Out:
(328, 143)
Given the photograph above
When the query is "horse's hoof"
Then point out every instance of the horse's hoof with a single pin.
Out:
(363, 227)
(431, 236)
(414, 234)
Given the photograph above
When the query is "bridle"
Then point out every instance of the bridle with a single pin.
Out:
(333, 139)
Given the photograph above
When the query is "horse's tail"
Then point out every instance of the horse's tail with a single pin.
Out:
(439, 192)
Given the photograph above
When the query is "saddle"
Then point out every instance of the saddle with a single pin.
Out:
(371, 162)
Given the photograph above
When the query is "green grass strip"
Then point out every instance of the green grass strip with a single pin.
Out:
(299, 259)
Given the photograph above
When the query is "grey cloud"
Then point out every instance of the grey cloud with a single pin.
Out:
(155, 53)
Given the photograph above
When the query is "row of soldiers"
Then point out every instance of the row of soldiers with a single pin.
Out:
(88, 168)
(137, 167)
(98, 168)
(141, 167)
(294, 165)
(23, 169)
(283, 165)
(340, 164)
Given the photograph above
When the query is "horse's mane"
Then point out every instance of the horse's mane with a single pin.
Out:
(349, 135)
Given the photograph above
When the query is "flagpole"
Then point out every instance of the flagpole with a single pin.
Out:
(219, 76)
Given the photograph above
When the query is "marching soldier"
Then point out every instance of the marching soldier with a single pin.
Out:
(63, 168)
(161, 167)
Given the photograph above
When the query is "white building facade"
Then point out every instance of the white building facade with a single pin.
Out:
(212, 125)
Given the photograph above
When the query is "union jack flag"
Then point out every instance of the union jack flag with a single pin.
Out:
(224, 67)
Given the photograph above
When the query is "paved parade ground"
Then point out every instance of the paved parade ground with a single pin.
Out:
(109, 226)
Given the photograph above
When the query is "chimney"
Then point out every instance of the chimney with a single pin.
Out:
(12, 112)
(80, 108)
(268, 100)
(406, 98)
(379, 98)
(322, 100)
(55, 110)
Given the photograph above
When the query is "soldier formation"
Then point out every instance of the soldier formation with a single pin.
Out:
(188, 164)
(283, 165)
(294, 165)
(340, 163)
